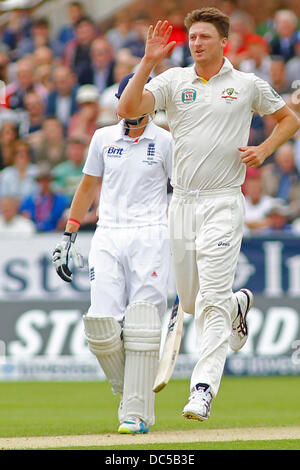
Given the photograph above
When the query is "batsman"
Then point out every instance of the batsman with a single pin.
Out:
(209, 107)
(128, 260)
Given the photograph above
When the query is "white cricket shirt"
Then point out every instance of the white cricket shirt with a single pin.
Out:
(209, 121)
(135, 174)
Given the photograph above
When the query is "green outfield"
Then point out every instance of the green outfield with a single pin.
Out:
(89, 408)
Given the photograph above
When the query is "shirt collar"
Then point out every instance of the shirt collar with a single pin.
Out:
(226, 67)
(147, 134)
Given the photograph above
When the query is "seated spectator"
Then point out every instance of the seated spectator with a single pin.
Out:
(43, 81)
(258, 60)
(12, 224)
(44, 207)
(136, 45)
(76, 54)
(120, 32)
(51, 146)
(43, 55)
(5, 67)
(34, 117)
(279, 80)
(61, 100)
(40, 36)
(84, 123)
(108, 100)
(285, 22)
(17, 29)
(18, 180)
(293, 64)
(100, 70)
(75, 11)
(278, 217)
(67, 175)
(23, 83)
(282, 179)
(9, 133)
(175, 15)
(257, 203)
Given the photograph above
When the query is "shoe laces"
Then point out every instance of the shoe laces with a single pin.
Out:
(200, 394)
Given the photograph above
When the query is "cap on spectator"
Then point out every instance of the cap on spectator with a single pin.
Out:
(87, 94)
(124, 83)
(8, 5)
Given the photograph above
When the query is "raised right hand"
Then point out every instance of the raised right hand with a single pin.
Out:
(157, 46)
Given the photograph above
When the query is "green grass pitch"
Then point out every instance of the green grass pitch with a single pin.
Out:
(73, 408)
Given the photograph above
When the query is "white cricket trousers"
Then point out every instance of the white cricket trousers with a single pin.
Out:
(127, 265)
(206, 229)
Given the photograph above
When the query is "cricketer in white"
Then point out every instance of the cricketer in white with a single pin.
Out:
(128, 260)
(209, 108)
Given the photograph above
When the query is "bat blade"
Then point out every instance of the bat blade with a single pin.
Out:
(170, 349)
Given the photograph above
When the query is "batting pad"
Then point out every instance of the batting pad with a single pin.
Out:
(142, 333)
(104, 339)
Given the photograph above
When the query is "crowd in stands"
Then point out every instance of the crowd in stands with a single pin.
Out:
(60, 88)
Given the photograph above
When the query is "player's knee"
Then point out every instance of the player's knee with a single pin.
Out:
(142, 327)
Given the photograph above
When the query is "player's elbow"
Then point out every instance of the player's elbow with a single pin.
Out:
(125, 110)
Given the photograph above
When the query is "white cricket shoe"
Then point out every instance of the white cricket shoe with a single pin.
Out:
(198, 406)
(133, 425)
(239, 329)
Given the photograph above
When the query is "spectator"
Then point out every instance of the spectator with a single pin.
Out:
(75, 11)
(43, 81)
(175, 16)
(40, 36)
(278, 75)
(136, 45)
(23, 83)
(9, 133)
(293, 64)
(35, 112)
(85, 122)
(44, 207)
(278, 218)
(12, 224)
(51, 147)
(61, 100)
(17, 29)
(43, 55)
(257, 203)
(258, 60)
(100, 71)
(282, 43)
(108, 100)
(76, 53)
(282, 179)
(4, 67)
(18, 180)
(120, 32)
(69, 173)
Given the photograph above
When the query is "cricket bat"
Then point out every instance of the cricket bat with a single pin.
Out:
(171, 348)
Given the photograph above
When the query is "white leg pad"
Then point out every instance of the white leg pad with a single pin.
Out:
(103, 335)
(142, 333)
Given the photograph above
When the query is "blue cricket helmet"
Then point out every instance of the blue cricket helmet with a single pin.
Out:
(124, 83)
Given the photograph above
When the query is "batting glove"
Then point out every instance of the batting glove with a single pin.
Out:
(63, 252)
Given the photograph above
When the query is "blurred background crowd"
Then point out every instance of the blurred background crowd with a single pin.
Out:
(59, 87)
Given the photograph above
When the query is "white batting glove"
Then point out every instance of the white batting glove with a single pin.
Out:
(63, 252)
